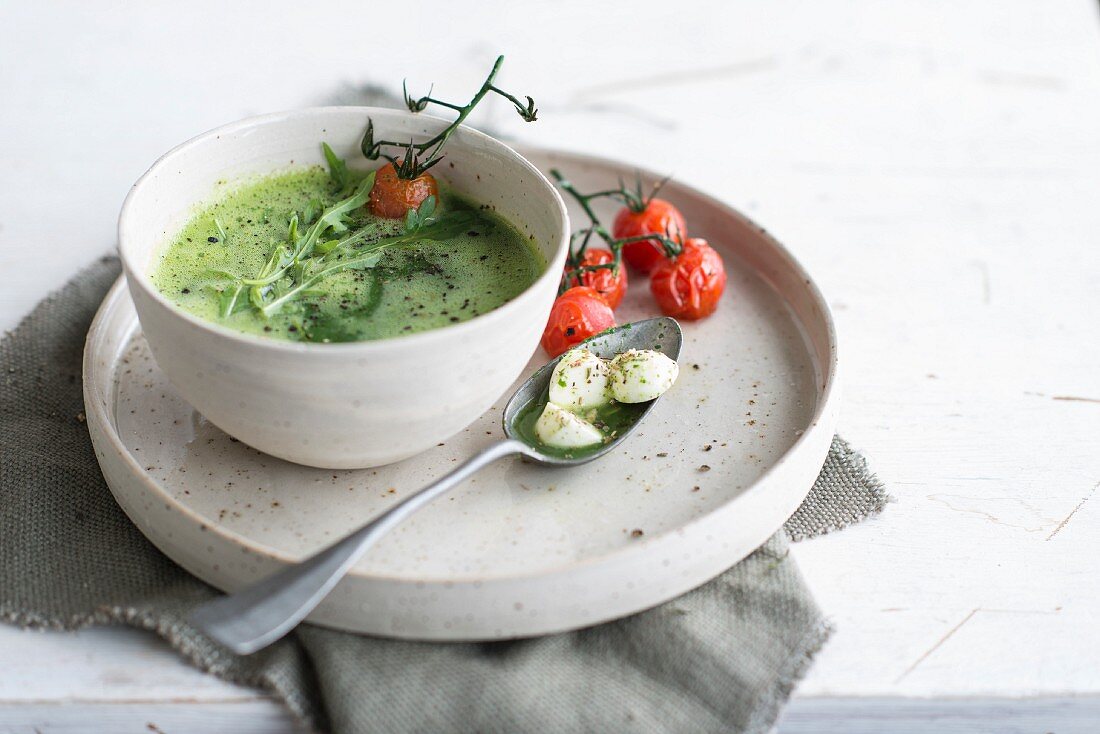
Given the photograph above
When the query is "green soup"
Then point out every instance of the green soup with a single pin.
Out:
(611, 419)
(418, 285)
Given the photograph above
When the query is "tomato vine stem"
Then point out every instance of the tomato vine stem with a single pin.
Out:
(576, 256)
(419, 157)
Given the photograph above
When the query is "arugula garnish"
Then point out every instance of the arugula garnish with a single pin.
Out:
(337, 168)
(329, 246)
(230, 300)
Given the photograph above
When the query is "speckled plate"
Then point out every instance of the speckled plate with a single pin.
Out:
(518, 550)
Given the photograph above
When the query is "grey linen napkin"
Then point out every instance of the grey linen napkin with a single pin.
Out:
(723, 657)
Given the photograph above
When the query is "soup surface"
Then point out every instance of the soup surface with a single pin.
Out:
(413, 287)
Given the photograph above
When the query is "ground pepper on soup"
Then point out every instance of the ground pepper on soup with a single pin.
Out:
(365, 278)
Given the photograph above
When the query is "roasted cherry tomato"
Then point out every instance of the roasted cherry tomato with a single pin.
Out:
(605, 281)
(392, 197)
(658, 217)
(578, 313)
(689, 286)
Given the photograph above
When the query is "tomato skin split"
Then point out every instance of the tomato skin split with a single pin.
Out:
(577, 314)
(658, 217)
(689, 286)
(605, 281)
(392, 197)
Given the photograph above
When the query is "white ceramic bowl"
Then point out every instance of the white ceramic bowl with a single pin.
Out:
(347, 405)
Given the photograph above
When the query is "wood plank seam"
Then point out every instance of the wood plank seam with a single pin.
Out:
(1073, 512)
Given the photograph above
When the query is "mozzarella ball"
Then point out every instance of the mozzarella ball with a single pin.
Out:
(579, 381)
(559, 428)
(639, 375)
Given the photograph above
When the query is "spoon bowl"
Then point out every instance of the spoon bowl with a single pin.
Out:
(660, 334)
(254, 617)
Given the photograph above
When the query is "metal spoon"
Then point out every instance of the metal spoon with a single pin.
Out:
(256, 616)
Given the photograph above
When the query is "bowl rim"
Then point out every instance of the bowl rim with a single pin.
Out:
(136, 277)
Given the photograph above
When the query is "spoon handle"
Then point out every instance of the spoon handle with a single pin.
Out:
(256, 616)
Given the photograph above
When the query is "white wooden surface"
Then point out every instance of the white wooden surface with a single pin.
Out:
(935, 165)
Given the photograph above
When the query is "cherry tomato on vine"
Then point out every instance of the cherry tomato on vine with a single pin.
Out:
(578, 313)
(658, 217)
(689, 286)
(392, 197)
(605, 281)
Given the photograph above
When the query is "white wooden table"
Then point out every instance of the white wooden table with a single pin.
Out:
(935, 165)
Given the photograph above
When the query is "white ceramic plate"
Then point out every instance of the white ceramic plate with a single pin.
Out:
(518, 550)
